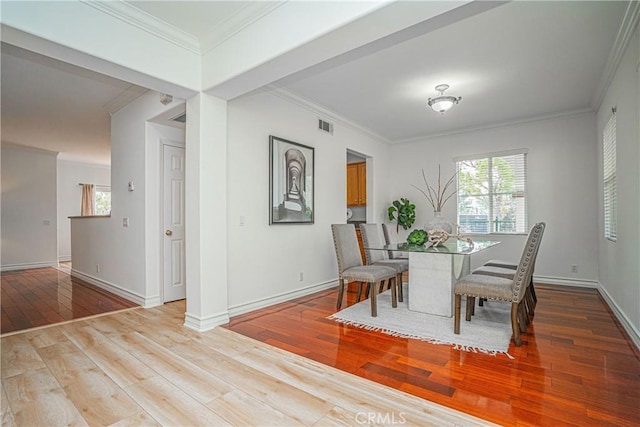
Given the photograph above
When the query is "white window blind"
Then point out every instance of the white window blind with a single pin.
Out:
(492, 193)
(610, 184)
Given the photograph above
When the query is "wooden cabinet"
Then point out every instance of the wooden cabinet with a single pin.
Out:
(357, 184)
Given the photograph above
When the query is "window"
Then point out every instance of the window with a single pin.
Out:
(102, 201)
(610, 184)
(492, 193)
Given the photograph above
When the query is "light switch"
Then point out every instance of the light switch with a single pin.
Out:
(131, 186)
(125, 222)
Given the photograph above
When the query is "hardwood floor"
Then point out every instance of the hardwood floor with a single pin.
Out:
(575, 367)
(142, 367)
(45, 296)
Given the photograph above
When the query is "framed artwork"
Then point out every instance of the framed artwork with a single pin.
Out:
(291, 167)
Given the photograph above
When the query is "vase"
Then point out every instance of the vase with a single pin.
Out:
(439, 222)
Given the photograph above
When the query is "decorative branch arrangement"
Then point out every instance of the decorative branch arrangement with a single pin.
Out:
(438, 197)
(437, 236)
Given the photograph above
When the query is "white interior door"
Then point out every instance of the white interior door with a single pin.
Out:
(174, 244)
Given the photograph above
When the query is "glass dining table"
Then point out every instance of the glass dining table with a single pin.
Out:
(434, 270)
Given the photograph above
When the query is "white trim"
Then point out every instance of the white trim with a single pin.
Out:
(625, 32)
(146, 302)
(323, 112)
(93, 165)
(147, 22)
(629, 327)
(28, 266)
(64, 258)
(236, 23)
(504, 153)
(544, 117)
(278, 298)
(203, 324)
(566, 281)
(11, 145)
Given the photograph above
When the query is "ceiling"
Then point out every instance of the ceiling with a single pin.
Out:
(514, 62)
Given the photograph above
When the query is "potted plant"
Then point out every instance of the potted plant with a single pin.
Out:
(403, 212)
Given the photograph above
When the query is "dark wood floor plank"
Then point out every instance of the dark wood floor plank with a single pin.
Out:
(44, 296)
(576, 365)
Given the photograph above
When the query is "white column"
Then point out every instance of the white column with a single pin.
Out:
(206, 212)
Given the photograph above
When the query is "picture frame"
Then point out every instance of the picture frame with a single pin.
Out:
(291, 182)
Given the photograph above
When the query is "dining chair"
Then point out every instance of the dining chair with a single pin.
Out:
(351, 269)
(501, 289)
(388, 241)
(372, 236)
(507, 270)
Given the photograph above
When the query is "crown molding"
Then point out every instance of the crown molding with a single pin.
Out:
(125, 97)
(236, 23)
(625, 32)
(147, 22)
(564, 114)
(79, 163)
(323, 112)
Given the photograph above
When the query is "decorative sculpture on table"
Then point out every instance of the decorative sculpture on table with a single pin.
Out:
(437, 197)
(438, 236)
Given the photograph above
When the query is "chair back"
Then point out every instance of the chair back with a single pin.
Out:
(523, 274)
(345, 243)
(371, 237)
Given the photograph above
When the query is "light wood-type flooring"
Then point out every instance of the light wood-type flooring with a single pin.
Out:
(575, 367)
(141, 367)
(43, 296)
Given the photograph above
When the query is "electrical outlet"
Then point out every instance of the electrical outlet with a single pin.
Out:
(241, 222)
(574, 268)
(125, 222)
(301, 276)
(97, 268)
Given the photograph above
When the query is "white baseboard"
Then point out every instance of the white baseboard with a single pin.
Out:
(28, 265)
(629, 327)
(64, 258)
(203, 324)
(275, 299)
(118, 290)
(565, 281)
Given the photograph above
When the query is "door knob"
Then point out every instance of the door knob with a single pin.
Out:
(168, 232)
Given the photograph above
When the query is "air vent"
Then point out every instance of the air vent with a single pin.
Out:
(325, 126)
(182, 118)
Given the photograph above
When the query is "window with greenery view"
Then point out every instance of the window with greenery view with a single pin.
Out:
(492, 193)
(102, 203)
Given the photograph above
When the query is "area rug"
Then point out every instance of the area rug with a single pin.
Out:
(489, 330)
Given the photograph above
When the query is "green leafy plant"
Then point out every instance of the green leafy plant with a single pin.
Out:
(403, 212)
(417, 237)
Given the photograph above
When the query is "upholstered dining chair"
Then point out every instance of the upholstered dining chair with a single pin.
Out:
(388, 241)
(372, 236)
(501, 289)
(350, 266)
(507, 270)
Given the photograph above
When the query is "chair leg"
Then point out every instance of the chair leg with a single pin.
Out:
(340, 294)
(359, 294)
(480, 302)
(473, 305)
(394, 292)
(470, 303)
(514, 324)
(533, 292)
(400, 291)
(522, 317)
(366, 293)
(456, 314)
(372, 296)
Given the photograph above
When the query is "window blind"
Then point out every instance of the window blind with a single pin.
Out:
(492, 193)
(610, 181)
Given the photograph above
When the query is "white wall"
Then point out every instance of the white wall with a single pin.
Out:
(265, 261)
(70, 195)
(29, 217)
(561, 176)
(619, 266)
(122, 252)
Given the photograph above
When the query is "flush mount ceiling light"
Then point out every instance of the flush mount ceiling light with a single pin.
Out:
(442, 102)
